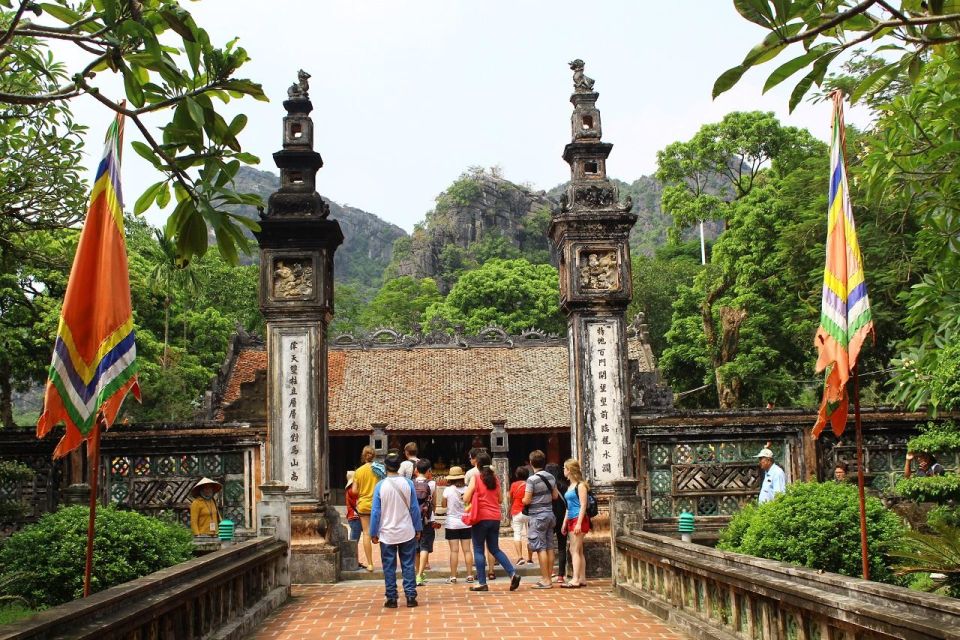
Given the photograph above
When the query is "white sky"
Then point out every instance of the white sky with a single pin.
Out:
(407, 95)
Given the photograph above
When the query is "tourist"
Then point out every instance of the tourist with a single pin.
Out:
(576, 523)
(426, 490)
(927, 465)
(774, 479)
(353, 519)
(395, 524)
(364, 481)
(518, 519)
(408, 466)
(471, 472)
(486, 525)
(559, 513)
(840, 472)
(541, 491)
(457, 533)
(204, 514)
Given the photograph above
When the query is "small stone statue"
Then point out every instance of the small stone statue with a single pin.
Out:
(300, 89)
(599, 271)
(581, 83)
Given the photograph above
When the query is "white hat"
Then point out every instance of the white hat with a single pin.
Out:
(764, 453)
(205, 482)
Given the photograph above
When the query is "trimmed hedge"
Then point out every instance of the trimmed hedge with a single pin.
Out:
(816, 525)
(49, 555)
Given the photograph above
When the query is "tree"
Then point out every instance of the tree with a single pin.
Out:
(512, 294)
(42, 199)
(400, 303)
(170, 277)
(168, 64)
(911, 28)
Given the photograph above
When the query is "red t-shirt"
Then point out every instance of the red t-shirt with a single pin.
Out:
(517, 489)
(488, 507)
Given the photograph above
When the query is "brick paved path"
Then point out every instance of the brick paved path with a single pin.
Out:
(354, 610)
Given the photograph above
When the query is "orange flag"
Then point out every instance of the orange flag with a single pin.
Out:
(94, 358)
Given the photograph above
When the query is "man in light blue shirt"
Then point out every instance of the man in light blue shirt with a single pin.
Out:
(774, 480)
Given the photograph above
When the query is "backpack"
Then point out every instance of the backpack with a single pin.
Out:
(424, 499)
(592, 507)
(379, 470)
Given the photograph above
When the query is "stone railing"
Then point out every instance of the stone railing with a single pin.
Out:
(719, 595)
(221, 595)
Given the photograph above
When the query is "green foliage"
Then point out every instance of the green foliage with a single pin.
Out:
(400, 303)
(51, 552)
(906, 37)
(816, 525)
(936, 437)
(12, 612)
(924, 553)
(512, 294)
(167, 64)
(655, 284)
(929, 489)
(943, 516)
(13, 473)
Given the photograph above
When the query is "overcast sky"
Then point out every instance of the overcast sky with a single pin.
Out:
(407, 95)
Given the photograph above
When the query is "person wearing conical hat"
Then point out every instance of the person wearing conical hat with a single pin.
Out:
(204, 514)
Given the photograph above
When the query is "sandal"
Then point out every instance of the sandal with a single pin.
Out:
(541, 585)
(521, 562)
(469, 578)
(570, 585)
(452, 580)
(491, 575)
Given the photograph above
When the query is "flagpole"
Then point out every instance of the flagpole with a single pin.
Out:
(93, 453)
(864, 556)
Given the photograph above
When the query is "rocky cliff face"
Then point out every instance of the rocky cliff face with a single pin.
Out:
(368, 240)
(480, 206)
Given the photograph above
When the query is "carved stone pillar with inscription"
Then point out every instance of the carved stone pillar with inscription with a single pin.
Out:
(500, 452)
(297, 244)
(590, 234)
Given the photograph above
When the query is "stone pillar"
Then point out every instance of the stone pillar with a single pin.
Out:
(274, 512)
(626, 515)
(77, 494)
(378, 440)
(499, 450)
(589, 233)
(297, 245)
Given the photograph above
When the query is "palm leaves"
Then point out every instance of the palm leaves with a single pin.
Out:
(937, 552)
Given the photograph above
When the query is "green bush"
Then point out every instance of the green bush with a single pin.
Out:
(943, 437)
(816, 525)
(13, 473)
(51, 552)
(929, 489)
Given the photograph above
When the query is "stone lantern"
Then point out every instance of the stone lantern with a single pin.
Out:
(378, 439)
(499, 448)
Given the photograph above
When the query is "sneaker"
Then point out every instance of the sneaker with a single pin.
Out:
(411, 601)
(480, 587)
(391, 603)
(515, 582)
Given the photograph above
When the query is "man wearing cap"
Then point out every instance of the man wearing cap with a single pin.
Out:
(204, 515)
(774, 480)
(395, 524)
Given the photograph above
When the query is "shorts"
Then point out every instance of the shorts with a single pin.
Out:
(519, 524)
(355, 529)
(427, 536)
(540, 534)
(572, 524)
(458, 534)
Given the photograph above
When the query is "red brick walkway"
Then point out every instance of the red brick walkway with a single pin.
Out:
(354, 610)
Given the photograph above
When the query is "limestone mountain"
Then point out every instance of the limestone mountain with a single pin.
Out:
(480, 216)
(368, 240)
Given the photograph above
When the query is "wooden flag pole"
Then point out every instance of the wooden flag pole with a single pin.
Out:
(864, 556)
(93, 453)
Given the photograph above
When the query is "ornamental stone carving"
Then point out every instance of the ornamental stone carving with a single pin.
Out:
(581, 83)
(594, 197)
(292, 279)
(300, 90)
(599, 270)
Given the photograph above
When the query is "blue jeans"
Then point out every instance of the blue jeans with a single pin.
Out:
(388, 556)
(488, 532)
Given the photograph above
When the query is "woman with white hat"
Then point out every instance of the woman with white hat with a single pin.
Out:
(204, 514)
(457, 533)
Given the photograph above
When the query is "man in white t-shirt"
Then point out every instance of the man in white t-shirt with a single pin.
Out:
(395, 524)
(408, 466)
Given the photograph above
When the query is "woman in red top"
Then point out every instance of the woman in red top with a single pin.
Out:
(519, 519)
(486, 527)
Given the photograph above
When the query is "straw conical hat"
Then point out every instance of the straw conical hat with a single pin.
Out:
(203, 483)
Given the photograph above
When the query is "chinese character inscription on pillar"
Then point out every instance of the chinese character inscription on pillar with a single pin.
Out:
(297, 432)
(607, 411)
